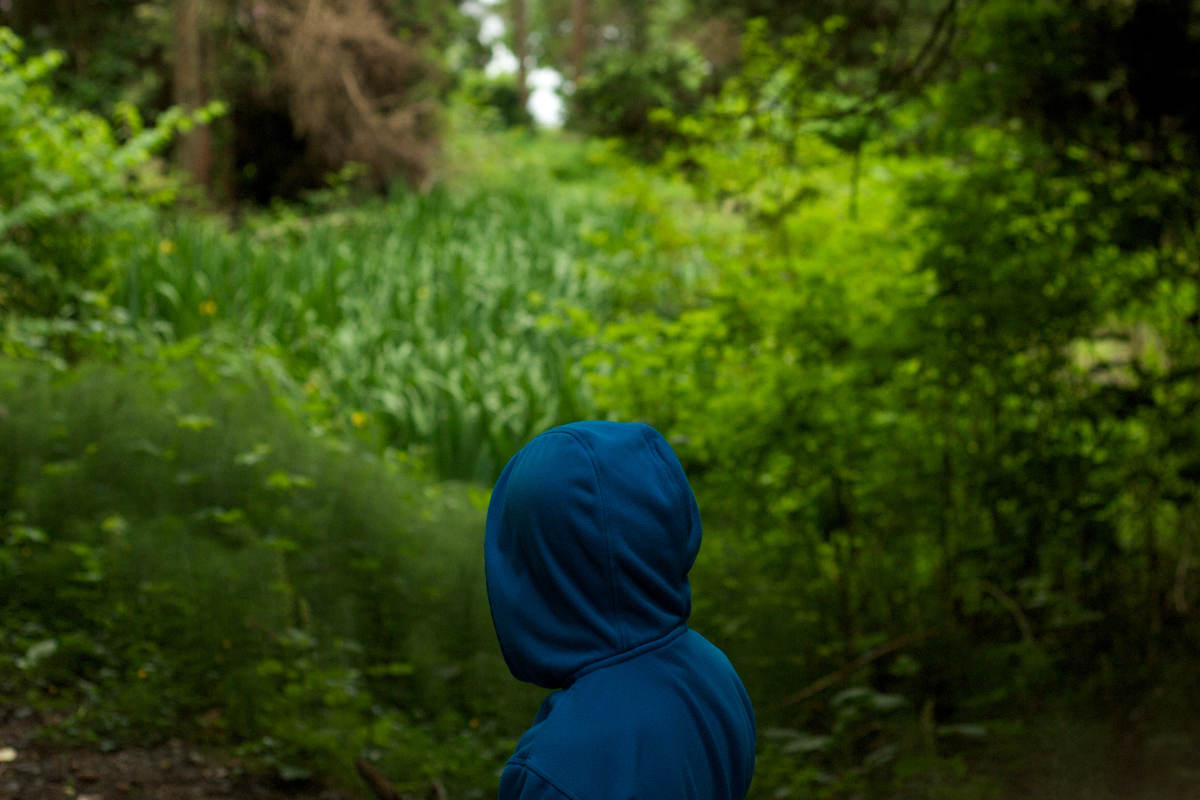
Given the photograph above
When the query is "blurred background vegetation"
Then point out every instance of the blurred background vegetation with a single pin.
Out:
(912, 287)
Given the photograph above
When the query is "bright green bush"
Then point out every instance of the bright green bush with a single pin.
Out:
(951, 428)
(778, 390)
(75, 191)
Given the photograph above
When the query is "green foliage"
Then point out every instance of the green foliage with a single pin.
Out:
(451, 321)
(928, 353)
(497, 98)
(941, 424)
(836, 68)
(181, 556)
(114, 50)
(619, 95)
(770, 388)
(753, 143)
(76, 192)
(873, 748)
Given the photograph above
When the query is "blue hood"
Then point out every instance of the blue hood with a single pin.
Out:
(591, 531)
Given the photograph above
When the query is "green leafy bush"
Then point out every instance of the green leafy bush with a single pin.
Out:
(180, 556)
(619, 95)
(497, 97)
(948, 430)
(75, 192)
(777, 389)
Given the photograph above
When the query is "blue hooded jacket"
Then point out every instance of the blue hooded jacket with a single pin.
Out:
(591, 531)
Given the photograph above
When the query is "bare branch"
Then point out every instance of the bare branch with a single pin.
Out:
(1011, 607)
(866, 658)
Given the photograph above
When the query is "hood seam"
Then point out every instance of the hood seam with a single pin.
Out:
(614, 596)
(686, 497)
(627, 655)
(653, 444)
(526, 763)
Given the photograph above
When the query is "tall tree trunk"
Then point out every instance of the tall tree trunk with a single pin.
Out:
(194, 149)
(579, 14)
(521, 46)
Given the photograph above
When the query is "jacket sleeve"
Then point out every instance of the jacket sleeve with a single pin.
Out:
(520, 781)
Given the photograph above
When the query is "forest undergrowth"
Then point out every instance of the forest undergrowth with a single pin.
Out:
(938, 413)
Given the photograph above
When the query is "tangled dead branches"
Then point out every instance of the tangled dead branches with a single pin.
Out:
(356, 92)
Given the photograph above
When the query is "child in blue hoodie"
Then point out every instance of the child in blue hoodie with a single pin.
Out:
(591, 531)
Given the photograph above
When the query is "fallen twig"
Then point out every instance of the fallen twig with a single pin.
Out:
(380, 786)
(1012, 608)
(858, 663)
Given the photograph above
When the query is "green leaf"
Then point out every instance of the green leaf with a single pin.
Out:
(195, 422)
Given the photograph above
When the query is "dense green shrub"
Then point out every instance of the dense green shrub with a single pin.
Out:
(497, 97)
(180, 556)
(617, 96)
(75, 191)
(941, 450)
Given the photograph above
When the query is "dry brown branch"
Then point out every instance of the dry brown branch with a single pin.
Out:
(380, 786)
(832, 678)
(383, 789)
(356, 92)
(1011, 607)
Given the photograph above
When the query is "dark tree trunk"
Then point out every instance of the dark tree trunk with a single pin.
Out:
(521, 48)
(194, 149)
(579, 15)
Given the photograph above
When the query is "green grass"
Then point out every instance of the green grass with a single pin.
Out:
(452, 321)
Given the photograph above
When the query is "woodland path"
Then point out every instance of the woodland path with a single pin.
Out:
(170, 771)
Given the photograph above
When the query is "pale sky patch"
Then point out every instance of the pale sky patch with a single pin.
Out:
(545, 103)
